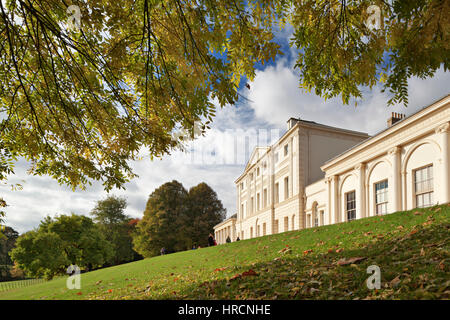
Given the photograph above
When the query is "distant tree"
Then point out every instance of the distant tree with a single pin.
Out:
(205, 211)
(110, 211)
(165, 221)
(114, 224)
(176, 219)
(2, 214)
(132, 228)
(7, 243)
(60, 242)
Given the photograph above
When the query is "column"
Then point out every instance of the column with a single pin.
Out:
(328, 186)
(404, 191)
(291, 167)
(395, 186)
(238, 200)
(334, 203)
(367, 200)
(361, 199)
(272, 192)
(443, 133)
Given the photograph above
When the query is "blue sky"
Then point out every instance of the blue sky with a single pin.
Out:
(273, 98)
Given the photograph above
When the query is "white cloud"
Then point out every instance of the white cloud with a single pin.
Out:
(275, 97)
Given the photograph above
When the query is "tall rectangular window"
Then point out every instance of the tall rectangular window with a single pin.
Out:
(381, 197)
(423, 186)
(258, 199)
(265, 198)
(264, 229)
(350, 207)
(286, 223)
(286, 150)
(252, 205)
(242, 211)
(277, 192)
(286, 188)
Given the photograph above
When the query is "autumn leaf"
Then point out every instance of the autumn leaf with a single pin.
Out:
(394, 282)
(249, 273)
(219, 269)
(354, 260)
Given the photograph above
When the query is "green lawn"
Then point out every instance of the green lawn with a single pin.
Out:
(411, 248)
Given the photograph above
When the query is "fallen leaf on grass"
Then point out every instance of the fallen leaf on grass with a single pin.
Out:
(417, 213)
(285, 250)
(219, 269)
(394, 282)
(344, 261)
(249, 273)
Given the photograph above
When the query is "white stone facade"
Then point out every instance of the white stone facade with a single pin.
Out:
(324, 175)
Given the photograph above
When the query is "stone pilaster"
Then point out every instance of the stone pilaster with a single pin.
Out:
(361, 195)
(443, 132)
(395, 197)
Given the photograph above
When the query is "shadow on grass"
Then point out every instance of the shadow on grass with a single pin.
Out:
(413, 266)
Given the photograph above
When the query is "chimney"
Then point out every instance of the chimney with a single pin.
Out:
(291, 122)
(395, 117)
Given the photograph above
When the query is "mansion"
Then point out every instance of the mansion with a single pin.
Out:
(317, 175)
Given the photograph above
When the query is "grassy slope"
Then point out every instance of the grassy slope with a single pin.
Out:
(411, 248)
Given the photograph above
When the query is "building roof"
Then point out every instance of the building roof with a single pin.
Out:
(299, 122)
(392, 128)
(233, 217)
